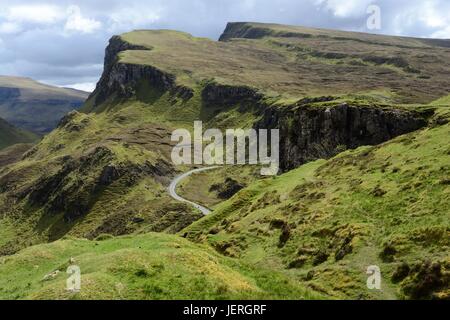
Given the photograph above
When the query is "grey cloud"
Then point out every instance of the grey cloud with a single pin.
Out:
(49, 52)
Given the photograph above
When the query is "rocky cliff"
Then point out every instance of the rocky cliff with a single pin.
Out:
(310, 132)
(120, 80)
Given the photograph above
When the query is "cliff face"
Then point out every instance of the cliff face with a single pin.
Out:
(121, 79)
(309, 133)
(216, 94)
(242, 30)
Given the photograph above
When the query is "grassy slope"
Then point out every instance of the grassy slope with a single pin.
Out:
(133, 143)
(10, 135)
(378, 205)
(151, 266)
(130, 130)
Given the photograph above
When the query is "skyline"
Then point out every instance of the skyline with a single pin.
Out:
(62, 42)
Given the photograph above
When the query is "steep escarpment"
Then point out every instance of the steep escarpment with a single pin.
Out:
(310, 128)
(311, 132)
(120, 79)
(246, 30)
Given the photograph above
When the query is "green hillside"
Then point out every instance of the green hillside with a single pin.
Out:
(364, 153)
(34, 106)
(328, 220)
(151, 266)
(10, 135)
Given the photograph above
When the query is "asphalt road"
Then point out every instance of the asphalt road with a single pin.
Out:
(177, 180)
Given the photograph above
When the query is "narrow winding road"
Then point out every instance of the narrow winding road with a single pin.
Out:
(177, 180)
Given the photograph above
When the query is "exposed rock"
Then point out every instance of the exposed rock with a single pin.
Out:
(285, 235)
(51, 276)
(121, 79)
(68, 118)
(310, 132)
(227, 189)
(401, 272)
(298, 262)
(426, 280)
(138, 220)
(216, 94)
(248, 31)
(388, 253)
(320, 257)
(345, 248)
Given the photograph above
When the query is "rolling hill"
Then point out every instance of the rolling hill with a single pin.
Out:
(364, 124)
(10, 135)
(34, 106)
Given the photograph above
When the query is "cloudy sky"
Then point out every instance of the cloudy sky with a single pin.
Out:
(62, 42)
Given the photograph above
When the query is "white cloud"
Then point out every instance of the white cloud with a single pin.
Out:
(443, 34)
(76, 21)
(432, 16)
(347, 8)
(64, 45)
(129, 18)
(34, 13)
(86, 86)
(10, 28)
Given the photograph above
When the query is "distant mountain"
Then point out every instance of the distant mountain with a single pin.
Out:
(10, 135)
(34, 106)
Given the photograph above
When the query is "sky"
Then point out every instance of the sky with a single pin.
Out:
(62, 42)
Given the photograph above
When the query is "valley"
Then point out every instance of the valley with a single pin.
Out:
(364, 173)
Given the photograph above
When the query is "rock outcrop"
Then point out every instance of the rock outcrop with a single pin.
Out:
(310, 132)
(121, 79)
(246, 30)
(218, 94)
